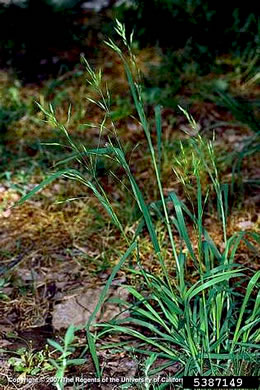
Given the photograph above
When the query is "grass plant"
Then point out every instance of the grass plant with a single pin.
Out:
(64, 361)
(207, 320)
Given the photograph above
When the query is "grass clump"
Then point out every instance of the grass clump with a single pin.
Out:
(193, 318)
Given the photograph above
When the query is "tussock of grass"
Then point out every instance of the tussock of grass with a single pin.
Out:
(190, 311)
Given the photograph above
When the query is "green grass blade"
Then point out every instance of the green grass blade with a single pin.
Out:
(93, 352)
(56, 345)
(69, 335)
(158, 123)
(140, 336)
(43, 184)
(225, 276)
(182, 226)
(109, 281)
(252, 283)
(207, 237)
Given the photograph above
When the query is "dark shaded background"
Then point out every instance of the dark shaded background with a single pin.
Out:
(41, 38)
